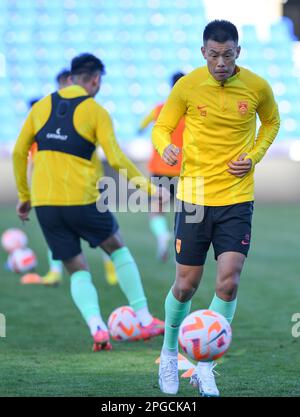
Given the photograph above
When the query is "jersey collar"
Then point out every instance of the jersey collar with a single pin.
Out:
(72, 91)
(228, 81)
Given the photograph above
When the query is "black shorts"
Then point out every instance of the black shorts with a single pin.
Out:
(170, 182)
(228, 228)
(64, 226)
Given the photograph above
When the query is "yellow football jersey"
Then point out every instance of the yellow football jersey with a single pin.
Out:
(61, 175)
(220, 125)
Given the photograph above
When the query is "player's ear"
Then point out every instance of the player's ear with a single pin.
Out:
(203, 50)
(95, 79)
(238, 51)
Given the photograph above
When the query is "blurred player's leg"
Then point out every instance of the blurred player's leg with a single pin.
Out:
(159, 228)
(110, 272)
(54, 275)
(85, 297)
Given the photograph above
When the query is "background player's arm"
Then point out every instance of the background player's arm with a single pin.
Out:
(150, 118)
(116, 158)
(268, 114)
(168, 119)
(20, 158)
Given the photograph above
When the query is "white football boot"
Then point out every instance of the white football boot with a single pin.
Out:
(168, 373)
(204, 379)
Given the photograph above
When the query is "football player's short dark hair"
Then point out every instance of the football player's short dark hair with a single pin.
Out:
(220, 31)
(63, 75)
(176, 77)
(86, 64)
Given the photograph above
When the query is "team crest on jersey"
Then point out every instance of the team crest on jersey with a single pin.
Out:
(178, 245)
(202, 110)
(243, 107)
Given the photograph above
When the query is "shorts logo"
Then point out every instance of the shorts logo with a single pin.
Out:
(178, 245)
(243, 107)
(246, 240)
(202, 111)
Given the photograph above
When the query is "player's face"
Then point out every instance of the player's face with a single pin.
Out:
(220, 58)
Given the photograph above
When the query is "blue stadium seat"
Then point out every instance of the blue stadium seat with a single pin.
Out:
(140, 43)
(282, 31)
(249, 35)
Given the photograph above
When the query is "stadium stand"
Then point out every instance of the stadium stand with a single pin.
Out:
(141, 43)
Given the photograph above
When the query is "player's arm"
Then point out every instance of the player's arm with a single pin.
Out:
(115, 156)
(150, 118)
(169, 117)
(270, 121)
(268, 113)
(20, 159)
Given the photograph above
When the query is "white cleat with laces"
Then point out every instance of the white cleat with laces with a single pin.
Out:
(204, 379)
(168, 373)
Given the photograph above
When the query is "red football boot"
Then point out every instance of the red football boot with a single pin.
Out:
(101, 341)
(155, 328)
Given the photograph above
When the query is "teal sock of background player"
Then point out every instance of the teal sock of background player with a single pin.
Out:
(129, 278)
(84, 295)
(159, 225)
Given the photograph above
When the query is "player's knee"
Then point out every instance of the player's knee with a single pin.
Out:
(184, 290)
(112, 244)
(227, 286)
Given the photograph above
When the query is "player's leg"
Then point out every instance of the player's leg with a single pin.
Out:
(100, 229)
(109, 269)
(177, 307)
(64, 244)
(159, 226)
(231, 241)
(130, 282)
(192, 242)
(229, 268)
(54, 274)
(85, 297)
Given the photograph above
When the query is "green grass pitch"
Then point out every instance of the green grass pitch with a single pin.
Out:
(47, 349)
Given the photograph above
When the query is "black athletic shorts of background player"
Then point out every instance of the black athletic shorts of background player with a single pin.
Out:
(64, 226)
(228, 228)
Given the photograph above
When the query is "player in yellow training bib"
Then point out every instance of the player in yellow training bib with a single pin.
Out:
(67, 126)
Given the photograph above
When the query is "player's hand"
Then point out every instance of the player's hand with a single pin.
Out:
(162, 194)
(170, 155)
(241, 167)
(23, 208)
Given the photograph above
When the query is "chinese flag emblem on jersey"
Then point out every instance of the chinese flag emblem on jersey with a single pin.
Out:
(178, 245)
(243, 107)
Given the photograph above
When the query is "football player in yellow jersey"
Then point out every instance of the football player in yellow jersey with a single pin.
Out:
(54, 275)
(220, 102)
(67, 126)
